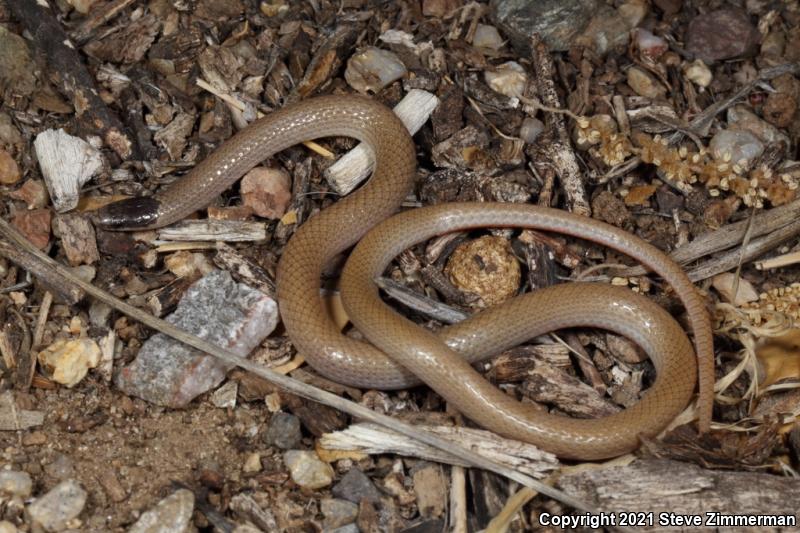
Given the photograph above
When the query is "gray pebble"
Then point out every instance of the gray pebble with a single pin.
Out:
(59, 506)
(355, 486)
(283, 431)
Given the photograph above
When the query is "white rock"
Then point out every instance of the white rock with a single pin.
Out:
(509, 79)
(15, 483)
(373, 69)
(307, 470)
(737, 147)
(531, 129)
(487, 38)
(56, 510)
(698, 73)
(170, 515)
(68, 361)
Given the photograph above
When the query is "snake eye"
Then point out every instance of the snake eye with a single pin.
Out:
(132, 213)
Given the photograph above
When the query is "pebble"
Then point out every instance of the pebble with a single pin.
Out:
(508, 79)
(267, 191)
(485, 266)
(9, 134)
(651, 46)
(17, 68)
(372, 69)
(35, 225)
(7, 527)
(252, 463)
(337, 513)
(741, 117)
(32, 193)
(15, 483)
(356, 486)
(307, 470)
(722, 34)
(170, 515)
(283, 431)
(605, 31)
(56, 510)
(698, 73)
(531, 129)
(62, 467)
(216, 308)
(9, 170)
(644, 84)
(487, 38)
(559, 22)
(68, 361)
(225, 396)
(186, 264)
(736, 147)
(34, 438)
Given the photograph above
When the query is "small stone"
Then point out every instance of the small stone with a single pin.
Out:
(57, 508)
(722, 34)
(559, 22)
(605, 31)
(735, 147)
(225, 396)
(62, 467)
(350, 528)
(35, 225)
(531, 129)
(221, 311)
(15, 483)
(9, 133)
(485, 266)
(724, 284)
(186, 264)
(644, 84)
(283, 431)
(267, 191)
(252, 463)
(68, 361)
(633, 12)
(32, 193)
(111, 484)
(307, 470)
(7, 527)
(698, 73)
(740, 117)
(9, 170)
(170, 515)
(337, 513)
(373, 69)
(651, 46)
(82, 6)
(487, 38)
(17, 69)
(509, 79)
(439, 8)
(356, 486)
(34, 438)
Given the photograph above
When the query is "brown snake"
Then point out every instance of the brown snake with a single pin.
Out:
(402, 353)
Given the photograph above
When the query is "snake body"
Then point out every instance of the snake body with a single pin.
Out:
(401, 354)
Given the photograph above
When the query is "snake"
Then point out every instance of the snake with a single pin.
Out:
(396, 353)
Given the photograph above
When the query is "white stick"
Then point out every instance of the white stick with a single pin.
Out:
(354, 166)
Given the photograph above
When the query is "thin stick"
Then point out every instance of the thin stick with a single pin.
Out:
(18, 249)
(780, 261)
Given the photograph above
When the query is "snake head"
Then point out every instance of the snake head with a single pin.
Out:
(128, 214)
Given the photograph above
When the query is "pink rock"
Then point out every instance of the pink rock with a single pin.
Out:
(267, 191)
